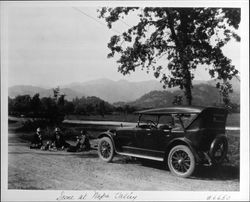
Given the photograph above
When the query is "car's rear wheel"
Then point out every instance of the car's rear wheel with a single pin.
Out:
(218, 150)
(106, 149)
(181, 161)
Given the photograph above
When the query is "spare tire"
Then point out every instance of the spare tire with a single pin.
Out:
(218, 149)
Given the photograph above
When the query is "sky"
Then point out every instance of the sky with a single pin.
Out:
(51, 46)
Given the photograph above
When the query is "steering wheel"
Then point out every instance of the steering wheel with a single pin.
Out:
(151, 123)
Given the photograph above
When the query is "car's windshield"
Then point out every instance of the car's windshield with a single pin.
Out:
(148, 118)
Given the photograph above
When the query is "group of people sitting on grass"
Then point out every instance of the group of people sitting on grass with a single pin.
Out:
(58, 142)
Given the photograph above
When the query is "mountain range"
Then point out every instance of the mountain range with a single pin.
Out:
(125, 91)
(203, 94)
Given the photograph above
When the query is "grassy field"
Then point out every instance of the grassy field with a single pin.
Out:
(113, 117)
(233, 120)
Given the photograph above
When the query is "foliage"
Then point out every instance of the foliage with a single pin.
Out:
(55, 108)
(177, 39)
(35, 104)
(125, 108)
(177, 100)
(233, 107)
(91, 105)
(21, 103)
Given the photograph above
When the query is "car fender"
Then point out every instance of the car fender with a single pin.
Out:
(221, 135)
(109, 135)
(183, 141)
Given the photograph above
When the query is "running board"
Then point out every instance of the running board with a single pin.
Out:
(141, 156)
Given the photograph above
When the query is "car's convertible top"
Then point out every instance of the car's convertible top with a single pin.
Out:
(176, 110)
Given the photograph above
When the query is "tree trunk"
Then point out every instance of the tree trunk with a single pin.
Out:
(187, 80)
(188, 86)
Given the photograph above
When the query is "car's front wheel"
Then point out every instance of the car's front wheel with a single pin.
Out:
(106, 149)
(181, 161)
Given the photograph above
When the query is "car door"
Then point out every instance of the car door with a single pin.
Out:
(126, 137)
(154, 141)
(139, 137)
(141, 132)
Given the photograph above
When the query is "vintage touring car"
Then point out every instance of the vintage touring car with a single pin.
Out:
(182, 137)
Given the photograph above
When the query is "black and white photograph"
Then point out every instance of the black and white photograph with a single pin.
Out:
(124, 101)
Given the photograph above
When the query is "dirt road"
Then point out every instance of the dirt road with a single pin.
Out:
(36, 169)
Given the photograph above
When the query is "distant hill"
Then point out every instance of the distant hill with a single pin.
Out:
(203, 94)
(24, 90)
(32, 90)
(114, 91)
(108, 90)
(70, 94)
(123, 90)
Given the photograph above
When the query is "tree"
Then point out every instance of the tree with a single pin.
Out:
(49, 109)
(177, 39)
(79, 105)
(21, 104)
(177, 100)
(11, 109)
(56, 93)
(102, 109)
(68, 107)
(35, 105)
(59, 99)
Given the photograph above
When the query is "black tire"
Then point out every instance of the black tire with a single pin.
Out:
(218, 150)
(106, 149)
(181, 161)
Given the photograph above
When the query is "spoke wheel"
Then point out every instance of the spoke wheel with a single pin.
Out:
(106, 149)
(218, 150)
(181, 161)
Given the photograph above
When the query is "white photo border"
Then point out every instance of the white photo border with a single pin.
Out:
(52, 195)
